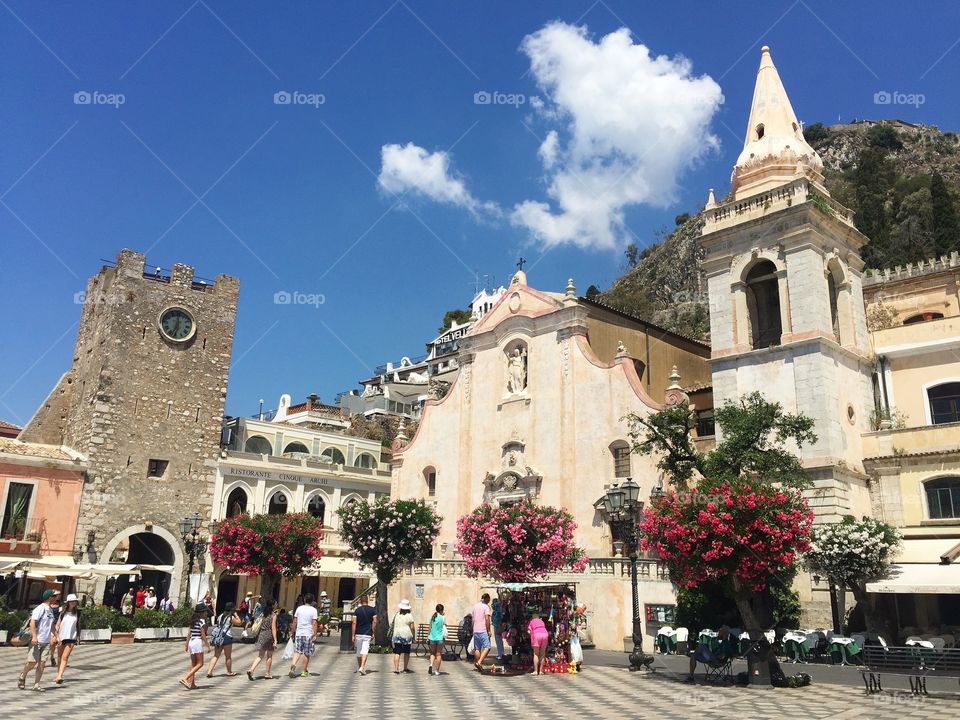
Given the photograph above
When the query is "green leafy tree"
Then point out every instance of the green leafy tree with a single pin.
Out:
(632, 254)
(872, 178)
(387, 535)
(460, 316)
(681, 219)
(946, 228)
(884, 136)
(815, 133)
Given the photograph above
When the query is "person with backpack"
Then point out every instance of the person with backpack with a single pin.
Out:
(40, 631)
(268, 638)
(221, 638)
(67, 632)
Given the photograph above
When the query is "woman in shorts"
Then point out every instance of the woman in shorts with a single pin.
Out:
(196, 642)
(539, 637)
(435, 640)
(67, 632)
(403, 628)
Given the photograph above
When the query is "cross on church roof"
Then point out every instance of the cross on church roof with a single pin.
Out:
(520, 264)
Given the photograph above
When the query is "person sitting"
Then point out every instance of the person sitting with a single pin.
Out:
(715, 658)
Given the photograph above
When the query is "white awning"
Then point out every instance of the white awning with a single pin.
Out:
(924, 578)
(331, 566)
(924, 550)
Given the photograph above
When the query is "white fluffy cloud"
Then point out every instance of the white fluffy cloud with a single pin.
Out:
(629, 125)
(411, 168)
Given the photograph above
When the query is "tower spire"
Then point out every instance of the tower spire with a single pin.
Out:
(774, 151)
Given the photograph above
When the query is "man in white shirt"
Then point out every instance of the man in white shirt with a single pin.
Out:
(41, 637)
(304, 634)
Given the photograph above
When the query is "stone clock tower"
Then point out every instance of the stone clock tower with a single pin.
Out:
(144, 401)
(786, 301)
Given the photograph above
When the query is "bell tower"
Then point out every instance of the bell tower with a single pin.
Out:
(786, 302)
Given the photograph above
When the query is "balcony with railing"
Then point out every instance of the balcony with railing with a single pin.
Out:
(647, 570)
(21, 535)
(307, 462)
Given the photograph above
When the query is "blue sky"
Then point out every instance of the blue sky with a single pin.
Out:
(294, 197)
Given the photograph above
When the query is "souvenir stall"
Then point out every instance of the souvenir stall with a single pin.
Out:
(557, 606)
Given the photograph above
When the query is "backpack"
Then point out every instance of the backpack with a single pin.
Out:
(24, 634)
(465, 631)
(219, 635)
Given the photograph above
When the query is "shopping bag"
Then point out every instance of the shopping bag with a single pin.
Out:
(576, 652)
(470, 649)
(288, 650)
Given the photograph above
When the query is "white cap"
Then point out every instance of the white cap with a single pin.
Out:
(404, 604)
(72, 598)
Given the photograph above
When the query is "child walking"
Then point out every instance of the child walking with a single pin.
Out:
(196, 642)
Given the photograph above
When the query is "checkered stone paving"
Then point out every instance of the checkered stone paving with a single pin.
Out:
(106, 681)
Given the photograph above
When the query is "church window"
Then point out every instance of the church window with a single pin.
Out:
(236, 502)
(430, 478)
(621, 459)
(760, 131)
(834, 311)
(316, 507)
(763, 302)
(277, 504)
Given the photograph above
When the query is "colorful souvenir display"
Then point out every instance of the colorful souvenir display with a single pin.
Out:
(557, 607)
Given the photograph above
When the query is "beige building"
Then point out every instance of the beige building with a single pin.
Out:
(299, 461)
(536, 412)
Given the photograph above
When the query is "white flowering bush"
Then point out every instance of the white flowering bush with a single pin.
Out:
(852, 552)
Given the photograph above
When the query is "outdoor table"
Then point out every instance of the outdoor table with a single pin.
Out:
(795, 646)
(844, 649)
(667, 640)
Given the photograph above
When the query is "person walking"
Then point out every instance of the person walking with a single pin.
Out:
(195, 644)
(324, 610)
(435, 640)
(539, 637)
(403, 629)
(481, 631)
(222, 639)
(363, 628)
(150, 601)
(126, 604)
(267, 639)
(208, 606)
(304, 635)
(67, 632)
(41, 639)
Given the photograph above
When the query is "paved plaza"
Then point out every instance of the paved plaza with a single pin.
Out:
(106, 681)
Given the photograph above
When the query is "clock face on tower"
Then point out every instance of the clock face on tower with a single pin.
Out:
(177, 325)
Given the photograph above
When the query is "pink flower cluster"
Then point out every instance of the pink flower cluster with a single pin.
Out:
(750, 532)
(267, 544)
(518, 543)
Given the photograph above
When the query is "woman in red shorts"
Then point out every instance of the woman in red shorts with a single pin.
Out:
(539, 636)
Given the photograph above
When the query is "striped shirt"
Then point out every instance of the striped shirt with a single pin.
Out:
(195, 628)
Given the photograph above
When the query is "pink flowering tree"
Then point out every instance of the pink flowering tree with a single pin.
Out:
(388, 535)
(518, 543)
(734, 516)
(271, 546)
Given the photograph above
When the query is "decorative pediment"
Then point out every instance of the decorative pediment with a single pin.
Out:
(515, 481)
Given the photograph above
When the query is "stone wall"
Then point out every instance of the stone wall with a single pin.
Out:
(131, 396)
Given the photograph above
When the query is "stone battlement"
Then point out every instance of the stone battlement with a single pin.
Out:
(912, 270)
(133, 264)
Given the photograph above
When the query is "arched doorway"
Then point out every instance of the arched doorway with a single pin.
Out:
(237, 502)
(142, 548)
(227, 591)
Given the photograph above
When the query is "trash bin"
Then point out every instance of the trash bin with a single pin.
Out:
(346, 629)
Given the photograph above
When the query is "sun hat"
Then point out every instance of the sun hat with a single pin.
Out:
(404, 604)
(47, 594)
(72, 598)
(200, 608)
(323, 593)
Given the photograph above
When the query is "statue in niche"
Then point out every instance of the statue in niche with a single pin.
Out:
(517, 371)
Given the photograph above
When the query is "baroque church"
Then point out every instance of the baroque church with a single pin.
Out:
(537, 409)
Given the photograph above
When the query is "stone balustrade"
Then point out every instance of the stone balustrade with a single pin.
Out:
(647, 570)
(759, 205)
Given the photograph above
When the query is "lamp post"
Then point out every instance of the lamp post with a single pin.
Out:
(193, 544)
(623, 506)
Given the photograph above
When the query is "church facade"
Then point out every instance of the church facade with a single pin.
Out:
(535, 414)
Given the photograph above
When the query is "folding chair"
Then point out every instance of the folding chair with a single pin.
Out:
(719, 671)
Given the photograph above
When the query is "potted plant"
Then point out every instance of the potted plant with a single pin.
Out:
(150, 625)
(10, 622)
(95, 624)
(122, 628)
(179, 623)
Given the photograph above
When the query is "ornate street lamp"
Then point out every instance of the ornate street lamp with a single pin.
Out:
(193, 544)
(623, 505)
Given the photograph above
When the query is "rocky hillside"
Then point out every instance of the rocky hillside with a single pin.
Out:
(901, 180)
